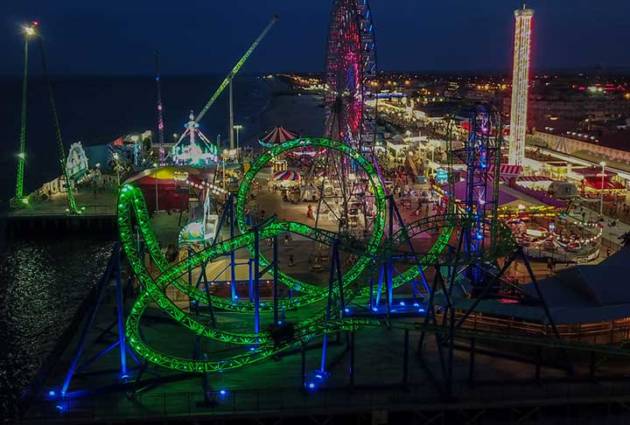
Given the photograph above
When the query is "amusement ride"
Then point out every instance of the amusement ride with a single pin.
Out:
(380, 276)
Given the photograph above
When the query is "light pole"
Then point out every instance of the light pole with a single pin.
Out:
(155, 165)
(601, 190)
(238, 128)
(117, 166)
(29, 33)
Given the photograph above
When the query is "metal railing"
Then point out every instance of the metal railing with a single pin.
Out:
(293, 402)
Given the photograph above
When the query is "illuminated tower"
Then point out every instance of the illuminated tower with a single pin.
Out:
(520, 84)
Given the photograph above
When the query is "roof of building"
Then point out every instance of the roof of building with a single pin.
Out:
(609, 136)
(582, 294)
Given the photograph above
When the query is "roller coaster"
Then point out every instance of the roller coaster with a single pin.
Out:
(348, 302)
(385, 279)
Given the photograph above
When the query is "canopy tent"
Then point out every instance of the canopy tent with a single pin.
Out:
(280, 135)
(592, 172)
(596, 184)
(276, 136)
(166, 188)
(506, 171)
(287, 175)
(534, 179)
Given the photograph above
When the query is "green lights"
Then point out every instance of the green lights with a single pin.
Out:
(132, 209)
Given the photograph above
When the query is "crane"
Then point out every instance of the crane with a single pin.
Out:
(192, 127)
(235, 70)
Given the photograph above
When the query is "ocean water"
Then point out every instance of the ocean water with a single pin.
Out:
(42, 286)
(43, 282)
(96, 110)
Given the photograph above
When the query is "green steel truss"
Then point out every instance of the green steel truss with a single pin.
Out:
(132, 210)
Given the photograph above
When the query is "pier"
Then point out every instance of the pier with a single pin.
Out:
(51, 217)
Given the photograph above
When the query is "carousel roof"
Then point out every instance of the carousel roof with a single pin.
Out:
(277, 136)
(287, 175)
(165, 174)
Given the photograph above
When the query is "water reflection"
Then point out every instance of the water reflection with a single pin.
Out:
(42, 284)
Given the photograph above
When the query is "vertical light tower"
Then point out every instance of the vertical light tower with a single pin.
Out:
(30, 31)
(520, 84)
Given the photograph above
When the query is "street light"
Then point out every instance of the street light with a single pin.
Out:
(30, 30)
(117, 166)
(29, 33)
(238, 128)
(601, 191)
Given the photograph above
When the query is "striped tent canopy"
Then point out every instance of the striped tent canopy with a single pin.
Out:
(276, 136)
(507, 170)
(287, 175)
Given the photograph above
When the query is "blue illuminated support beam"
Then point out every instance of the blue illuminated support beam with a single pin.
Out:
(228, 215)
(203, 279)
(335, 276)
(379, 288)
(331, 278)
(423, 278)
(371, 299)
(390, 286)
(100, 287)
(394, 213)
(120, 310)
(337, 259)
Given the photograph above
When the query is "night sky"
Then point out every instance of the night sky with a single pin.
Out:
(205, 36)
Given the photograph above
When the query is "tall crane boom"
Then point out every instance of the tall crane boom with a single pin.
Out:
(235, 70)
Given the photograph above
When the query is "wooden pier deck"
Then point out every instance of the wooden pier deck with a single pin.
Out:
(50, 217)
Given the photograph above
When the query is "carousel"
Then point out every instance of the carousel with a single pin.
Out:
(287, 182)
(279, 135)
(276, 136)
(562, 238)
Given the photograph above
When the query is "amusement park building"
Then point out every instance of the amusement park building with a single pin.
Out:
(607, 146)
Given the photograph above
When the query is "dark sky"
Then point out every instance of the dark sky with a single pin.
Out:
(201, 36)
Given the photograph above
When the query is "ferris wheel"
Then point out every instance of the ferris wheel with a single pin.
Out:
(350, 65)
(350, 116)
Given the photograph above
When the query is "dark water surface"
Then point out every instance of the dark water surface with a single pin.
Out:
(43, 284)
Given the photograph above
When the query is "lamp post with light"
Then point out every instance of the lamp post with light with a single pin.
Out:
(30, 31)
(117, 166)
(238, 128)
(601, 191)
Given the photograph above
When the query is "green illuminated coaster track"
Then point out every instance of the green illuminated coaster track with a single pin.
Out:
(258, 345)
